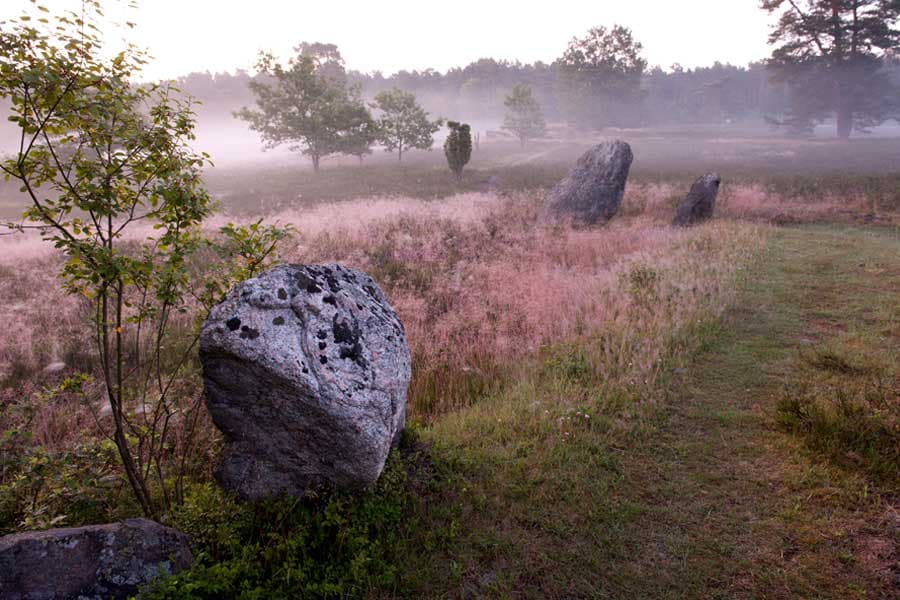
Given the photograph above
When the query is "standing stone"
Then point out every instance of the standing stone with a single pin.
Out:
(593, 190)
(305, 370)
(99, 561)
(700, 202)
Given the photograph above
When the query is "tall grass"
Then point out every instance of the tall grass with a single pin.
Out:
(484, 285)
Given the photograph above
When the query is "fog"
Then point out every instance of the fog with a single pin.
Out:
(685, 103)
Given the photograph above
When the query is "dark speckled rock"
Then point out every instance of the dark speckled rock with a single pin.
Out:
(99, 561)
(699, 204)
(306, 370)
(593, 191)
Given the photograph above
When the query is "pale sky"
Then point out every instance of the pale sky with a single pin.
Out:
(390, 35)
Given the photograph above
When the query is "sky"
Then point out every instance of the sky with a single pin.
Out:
(223, 35)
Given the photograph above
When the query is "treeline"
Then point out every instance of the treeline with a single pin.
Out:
(715, 94)
(830, 60)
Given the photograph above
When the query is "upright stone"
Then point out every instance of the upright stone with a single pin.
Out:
(306, 370)
(699, 204)
(593, 190)
(99, 561)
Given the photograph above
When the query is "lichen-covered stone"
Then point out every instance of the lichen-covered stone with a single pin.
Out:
(306, 370)
(699, 204)
(593, 190)
(94, 562)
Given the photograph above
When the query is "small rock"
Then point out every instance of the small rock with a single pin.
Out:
(98, 561)
(700, 202)
(305, 370)
(593, 190)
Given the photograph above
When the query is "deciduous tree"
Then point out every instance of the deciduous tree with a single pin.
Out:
(307, 105)
(523, 115)
(98, 156)
(600, 76)
(403, 123)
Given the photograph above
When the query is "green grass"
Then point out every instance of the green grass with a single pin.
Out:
(704, 497)
(794, 169)
(255, 191)
(766, 467)
(557, 486)
(844, 396)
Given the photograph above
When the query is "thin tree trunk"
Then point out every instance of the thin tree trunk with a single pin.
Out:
(132, 470)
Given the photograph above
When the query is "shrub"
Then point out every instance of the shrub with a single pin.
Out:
(458, 147)
(332, 544)
(41, 489)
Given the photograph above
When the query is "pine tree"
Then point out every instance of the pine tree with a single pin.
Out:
(458, 147)
(833, 54)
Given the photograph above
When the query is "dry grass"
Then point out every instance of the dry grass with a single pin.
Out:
(780, 204)
(541, 355)
(557, 488)
(480, 279)
(483, 283)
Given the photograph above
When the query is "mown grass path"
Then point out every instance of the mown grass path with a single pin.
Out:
(704, 496)
(732, 507)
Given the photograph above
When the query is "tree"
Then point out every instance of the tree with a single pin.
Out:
(833, 54)
(97, 156)
(307, 105)
(523, 115)
(362, 130)
(327, 58)
(360, 139)
(600, 76)
(403, 123)
(458, 147)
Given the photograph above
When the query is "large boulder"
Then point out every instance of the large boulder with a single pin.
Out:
(700, 202)
(593, 190)
(306, 370)
(99, 561)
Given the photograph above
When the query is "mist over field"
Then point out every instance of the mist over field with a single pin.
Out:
(499, 300)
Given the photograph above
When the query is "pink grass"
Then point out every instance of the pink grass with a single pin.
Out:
(482, 283)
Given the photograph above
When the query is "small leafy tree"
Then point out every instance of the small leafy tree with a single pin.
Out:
(523, 115)
(308, 105)
(114, 184)
(458, 147)
(403, 123)
(364, 133)
(359, 143)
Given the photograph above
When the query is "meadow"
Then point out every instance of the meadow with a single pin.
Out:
(630, 410)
